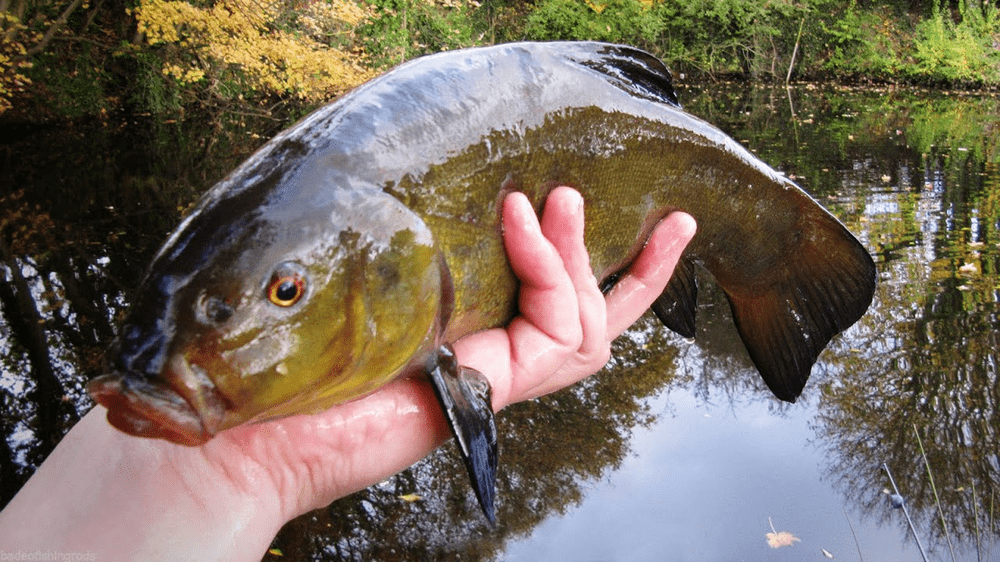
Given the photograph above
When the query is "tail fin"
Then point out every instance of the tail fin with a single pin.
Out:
(825, 284)
(829, 285)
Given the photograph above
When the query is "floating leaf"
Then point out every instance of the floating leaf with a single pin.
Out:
(778, 540)
(968, 269)
(410, 498)
(276, 552)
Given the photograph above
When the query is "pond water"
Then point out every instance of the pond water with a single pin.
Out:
(676, 451)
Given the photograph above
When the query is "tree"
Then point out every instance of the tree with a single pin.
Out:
(239, 47)
(26, 29)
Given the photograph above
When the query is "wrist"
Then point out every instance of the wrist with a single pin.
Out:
(119, 497)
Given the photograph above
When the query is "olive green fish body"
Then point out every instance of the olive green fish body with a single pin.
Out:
(352, 245)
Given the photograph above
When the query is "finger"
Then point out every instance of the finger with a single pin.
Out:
(547, 299)
(563, 225)
(529, 253)
(516, 357)
(649, 273)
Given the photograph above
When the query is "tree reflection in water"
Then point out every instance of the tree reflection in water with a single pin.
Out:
(930, 360)
(914, 174)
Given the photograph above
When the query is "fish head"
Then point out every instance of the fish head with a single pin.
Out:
(252, 312)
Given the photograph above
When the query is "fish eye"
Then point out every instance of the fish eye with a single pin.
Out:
(287, 284)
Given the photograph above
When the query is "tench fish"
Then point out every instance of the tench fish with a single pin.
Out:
(352, 247)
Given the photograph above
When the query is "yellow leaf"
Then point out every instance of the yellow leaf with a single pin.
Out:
(778, 540)
(276, 552)
(410, 498)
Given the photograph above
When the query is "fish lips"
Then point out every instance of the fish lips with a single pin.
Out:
(180, 404)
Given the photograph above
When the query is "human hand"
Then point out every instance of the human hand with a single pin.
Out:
(566, 325)
(225, 500)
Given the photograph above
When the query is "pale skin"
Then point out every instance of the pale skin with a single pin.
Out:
(126, 498)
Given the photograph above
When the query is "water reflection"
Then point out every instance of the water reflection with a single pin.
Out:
(82, 210)
(921, 367)
(933, 371)
(914, 174)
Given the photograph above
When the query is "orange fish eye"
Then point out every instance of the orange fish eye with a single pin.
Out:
(287, 285)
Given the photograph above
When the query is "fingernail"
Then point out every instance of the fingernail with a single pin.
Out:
(526, 215)
(578, 207)
(572, 201)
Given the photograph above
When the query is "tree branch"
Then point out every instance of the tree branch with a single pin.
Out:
(47, 38)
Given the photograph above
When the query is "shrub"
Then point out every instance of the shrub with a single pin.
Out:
(962, 51)
(616, 21)
(402, 29)
(238, 49)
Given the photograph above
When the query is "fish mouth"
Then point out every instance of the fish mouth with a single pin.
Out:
(181, 405)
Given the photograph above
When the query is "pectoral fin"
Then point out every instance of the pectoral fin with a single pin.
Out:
(464, 395)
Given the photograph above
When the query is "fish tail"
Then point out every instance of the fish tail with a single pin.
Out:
(787, 325)
(824, 287)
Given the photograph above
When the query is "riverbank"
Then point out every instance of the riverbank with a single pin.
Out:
(278, 59)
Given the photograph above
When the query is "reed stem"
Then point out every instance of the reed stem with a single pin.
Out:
(906, 512)
(795, 51)
(937, 501)
(975, 512)
(853, 534)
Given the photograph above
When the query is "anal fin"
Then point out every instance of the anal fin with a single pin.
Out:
(464, 395)
(677, 304)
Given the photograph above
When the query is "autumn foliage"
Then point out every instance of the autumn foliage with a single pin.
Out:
(265, 46)
(20, 41)
(12, 60)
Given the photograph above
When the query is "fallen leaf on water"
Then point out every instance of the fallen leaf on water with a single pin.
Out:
(410, 498)
(276, 552)
(778, 540)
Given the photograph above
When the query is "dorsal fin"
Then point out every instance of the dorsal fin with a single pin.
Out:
(633, 70)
